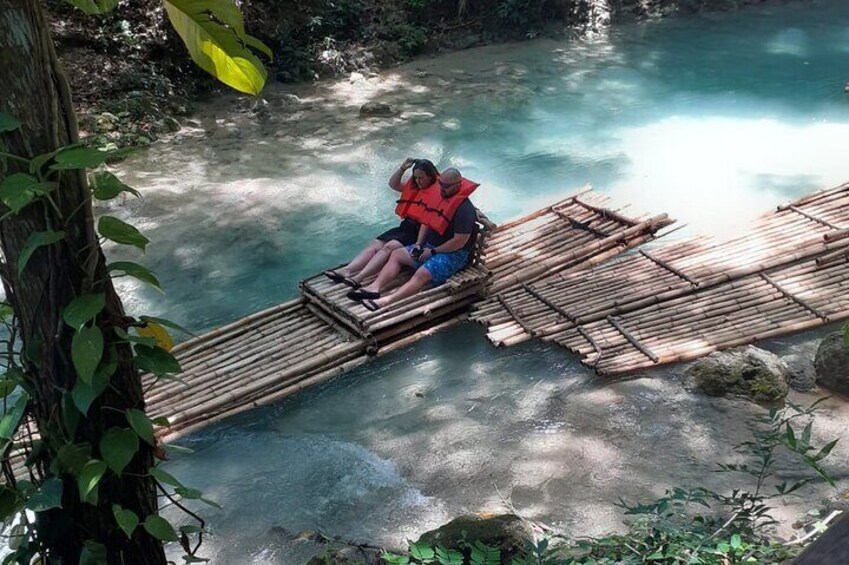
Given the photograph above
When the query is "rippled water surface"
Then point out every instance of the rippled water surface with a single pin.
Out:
(710, 118)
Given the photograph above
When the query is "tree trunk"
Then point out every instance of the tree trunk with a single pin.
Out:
(33, 89)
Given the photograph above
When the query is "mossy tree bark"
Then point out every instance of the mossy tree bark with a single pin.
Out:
(33, 89)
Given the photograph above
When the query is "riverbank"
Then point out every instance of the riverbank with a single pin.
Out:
(133, 81)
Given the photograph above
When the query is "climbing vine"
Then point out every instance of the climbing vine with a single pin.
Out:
(45, 469)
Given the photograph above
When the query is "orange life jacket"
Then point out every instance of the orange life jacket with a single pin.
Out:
(436, 212)
(411, 195)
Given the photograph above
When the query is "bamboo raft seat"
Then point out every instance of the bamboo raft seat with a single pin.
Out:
(598, 313)
(392, 322)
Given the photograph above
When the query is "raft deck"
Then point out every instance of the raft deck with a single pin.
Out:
(788, 272)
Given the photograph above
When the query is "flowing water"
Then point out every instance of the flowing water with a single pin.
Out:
(711, 118)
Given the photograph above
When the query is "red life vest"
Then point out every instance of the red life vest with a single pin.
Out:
(411, 195)
(436, 212)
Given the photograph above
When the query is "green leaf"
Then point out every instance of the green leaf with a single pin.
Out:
(6, 387)
(94, 7)
(107, 186)
(12, 418)
(160, 528)
(86, 351)
(48, 496)
(846, 335)
(141, 425)
(8, 123)
(173, 448)
(93, 553)
(10, 503)
(790, 436)
(34, 241)
(823, 453)
(79, 158)
(89, 478)
(127, 519)
(38, 162)
(84, 393)
(421, 552)
(736, 542)
(18, 190)
(82, 309)
(217, 49)
(118, 446)
(161, 421)
(136, 271)
(121, 232)
(164, 477)
(148, 341)
(73, 457)
(166, 323)
(156, 360)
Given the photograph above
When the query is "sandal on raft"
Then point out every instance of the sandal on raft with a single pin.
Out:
(334, 276)
(350, 282)
(362, 294)
(371, 305)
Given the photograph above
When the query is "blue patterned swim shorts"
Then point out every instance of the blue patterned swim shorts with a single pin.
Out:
(442, 266)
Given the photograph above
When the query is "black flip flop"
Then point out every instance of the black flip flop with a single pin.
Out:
(371, 305)
(362, 294)
(334, 276)
(350, 282)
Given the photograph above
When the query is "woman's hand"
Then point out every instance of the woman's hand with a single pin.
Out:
(408, 162)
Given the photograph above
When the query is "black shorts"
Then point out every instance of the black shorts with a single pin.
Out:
(405, 234)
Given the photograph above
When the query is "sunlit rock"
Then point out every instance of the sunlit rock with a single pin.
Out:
(749, 372)
(832, 364)
(504, 531)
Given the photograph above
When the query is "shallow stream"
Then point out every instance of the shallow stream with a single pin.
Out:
(711, 118)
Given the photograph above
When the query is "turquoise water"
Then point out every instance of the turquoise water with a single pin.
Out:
(711, 118)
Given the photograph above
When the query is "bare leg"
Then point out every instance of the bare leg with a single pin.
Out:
(377, 261)
(409, 288)
(399, 259)
(361, 260)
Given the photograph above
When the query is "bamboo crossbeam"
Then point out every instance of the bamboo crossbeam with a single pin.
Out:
(634, 341)
(814, 218)
(668, 267)
(793, 297)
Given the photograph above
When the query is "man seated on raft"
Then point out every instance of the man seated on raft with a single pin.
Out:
(370, 260)
(445, 243)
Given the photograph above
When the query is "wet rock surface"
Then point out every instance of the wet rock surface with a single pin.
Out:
(507, 532)
(749, 372)
(832, 364)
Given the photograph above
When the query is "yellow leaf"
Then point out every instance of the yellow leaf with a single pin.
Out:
(218, 49)
(159, 333)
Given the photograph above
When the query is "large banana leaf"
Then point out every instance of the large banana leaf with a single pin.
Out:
(214, 33)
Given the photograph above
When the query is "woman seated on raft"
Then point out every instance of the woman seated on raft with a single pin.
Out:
(371, 259)
(444, 245)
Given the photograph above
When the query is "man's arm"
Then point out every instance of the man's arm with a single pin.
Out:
(454, 244)
(395, 179)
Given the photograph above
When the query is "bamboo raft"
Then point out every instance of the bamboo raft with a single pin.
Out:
(787, 273)
(280, 351)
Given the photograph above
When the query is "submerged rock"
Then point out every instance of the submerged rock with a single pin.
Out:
(349, 555)
(749, 372)
(376, 109)
(832, 364)
(507, 532)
